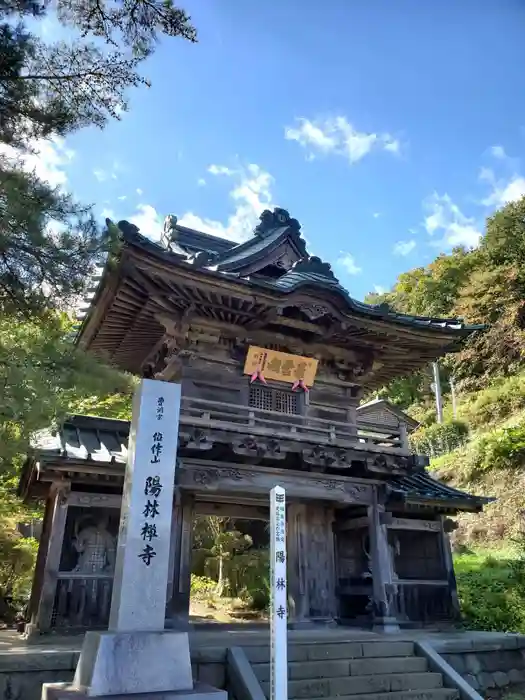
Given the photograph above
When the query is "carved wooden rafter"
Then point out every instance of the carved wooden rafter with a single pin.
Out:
(165, 361)
(195, 439)
(390, 464)
(328, 457)
(251, 446)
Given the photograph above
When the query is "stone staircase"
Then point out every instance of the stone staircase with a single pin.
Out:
(382, 670)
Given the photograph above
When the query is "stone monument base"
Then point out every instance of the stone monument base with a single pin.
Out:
(386, 625)
(133, 663)
(65, 691)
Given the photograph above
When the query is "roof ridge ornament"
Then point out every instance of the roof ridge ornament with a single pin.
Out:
(313, 265)
(278, 218)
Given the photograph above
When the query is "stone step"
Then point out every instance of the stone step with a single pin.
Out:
(341, 650)
(333, 668)
(436, 694)
(396, 664)
(360, 685)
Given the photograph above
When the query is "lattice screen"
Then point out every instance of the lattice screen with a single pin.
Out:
(273, 400)
(418, 555)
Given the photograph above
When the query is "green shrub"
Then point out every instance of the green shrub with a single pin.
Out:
(439, 438)
(499, 401)
(202, 587)
(492, 592)
(501, 449)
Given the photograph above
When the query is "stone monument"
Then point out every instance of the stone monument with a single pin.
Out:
(137, 656)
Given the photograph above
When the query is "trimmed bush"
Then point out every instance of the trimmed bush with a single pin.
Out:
(439, 438)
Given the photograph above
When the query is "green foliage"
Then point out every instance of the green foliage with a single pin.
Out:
(17, 560)
(505, 397)
(17, 553)
(202, 587)
(431, 290)
(57, 88)
(49, 245)
(112, 406)
(500, 449)
(483, 286)
(226, 557)
(42, 375)
(438, 439)
(492, 592)
(406, 391)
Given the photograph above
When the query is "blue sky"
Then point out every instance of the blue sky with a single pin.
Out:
(388, 129)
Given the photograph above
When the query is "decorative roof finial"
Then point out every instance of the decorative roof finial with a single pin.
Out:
(278, 218)
(169, 232)
(315, 266)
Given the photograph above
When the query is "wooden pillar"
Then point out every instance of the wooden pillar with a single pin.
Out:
(403, 436)
(182, 540)
(384, 609)
(41, 617)
(446, 527)
(297, 545)
(43, 545)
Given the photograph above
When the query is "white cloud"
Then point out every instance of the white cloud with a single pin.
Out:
(251, 193)
(148, 221)
(513, 190)
(498, 152)
(445, 218)
(337, 136)
(104, 175)
(220, 170)
(502, 191)
(376, 214)
(347, 261)
(391, 144)
(139, 191)
(108, 213)
(48, 159)
(404, 247)
(201, 182)
(122, 198)
(378, 289)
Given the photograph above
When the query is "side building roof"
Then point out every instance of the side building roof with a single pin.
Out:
(90, 443)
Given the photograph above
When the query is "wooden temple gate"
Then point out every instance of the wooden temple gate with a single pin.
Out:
(274, 358)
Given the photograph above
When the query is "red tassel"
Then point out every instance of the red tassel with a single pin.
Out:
(299, 384)
(257, 375)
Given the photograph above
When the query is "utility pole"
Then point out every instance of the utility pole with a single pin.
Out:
(437, 392)
(453, 395)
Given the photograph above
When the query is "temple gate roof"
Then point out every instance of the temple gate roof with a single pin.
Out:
(268, 281)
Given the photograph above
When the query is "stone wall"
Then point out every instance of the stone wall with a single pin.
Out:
(494, 666)
(23, 671)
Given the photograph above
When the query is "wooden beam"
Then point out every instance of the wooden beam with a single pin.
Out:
(408, 524)
(235, 478)
(94, 500)
(232, 510)
(353, 524)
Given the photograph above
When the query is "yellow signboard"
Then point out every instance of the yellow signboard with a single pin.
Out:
(280, 366)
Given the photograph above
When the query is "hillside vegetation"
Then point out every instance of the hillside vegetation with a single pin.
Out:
(481, 448)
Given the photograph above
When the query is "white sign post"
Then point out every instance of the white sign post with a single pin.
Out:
(137, 655)
(279, 607)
